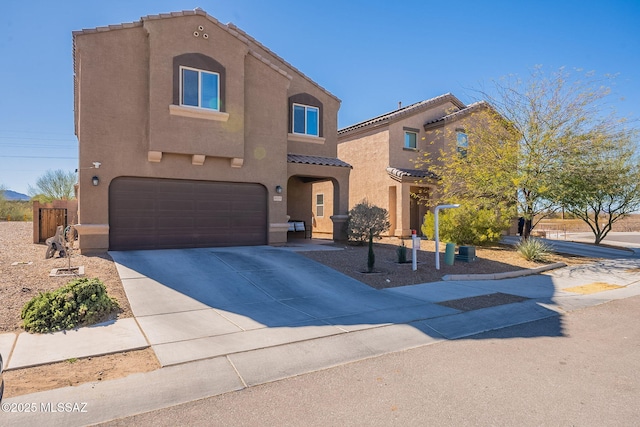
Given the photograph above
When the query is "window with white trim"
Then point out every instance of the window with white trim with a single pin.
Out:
(410, 139)
(320, 205)
(305, 120)
(200, 89)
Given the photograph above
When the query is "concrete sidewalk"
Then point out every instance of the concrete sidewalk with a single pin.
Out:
(581, 245)
(230, 346)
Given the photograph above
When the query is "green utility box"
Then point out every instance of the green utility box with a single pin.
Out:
(449, 253)
(466, 253)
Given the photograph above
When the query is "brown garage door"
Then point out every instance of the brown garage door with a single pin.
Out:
(149, 213)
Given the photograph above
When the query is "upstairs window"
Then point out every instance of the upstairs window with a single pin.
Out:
(199, 88)
(306, 120)
(410, 140)
(462, 142)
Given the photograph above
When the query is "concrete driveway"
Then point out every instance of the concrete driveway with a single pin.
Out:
(200, 303)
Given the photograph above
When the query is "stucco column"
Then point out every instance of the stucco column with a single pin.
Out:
(403, 227)
(339, 229)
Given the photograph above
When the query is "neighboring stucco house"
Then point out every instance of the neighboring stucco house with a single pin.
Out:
(383, 150)
(193, 134)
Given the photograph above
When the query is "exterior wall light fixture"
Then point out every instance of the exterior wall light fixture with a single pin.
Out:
(95, 180)
(278, 189)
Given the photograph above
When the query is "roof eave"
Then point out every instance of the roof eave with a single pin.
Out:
(401, 113)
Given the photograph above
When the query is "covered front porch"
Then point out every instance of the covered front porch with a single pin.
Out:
(408, 193)
(318, 196)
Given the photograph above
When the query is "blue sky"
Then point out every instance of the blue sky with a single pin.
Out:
(370, 54)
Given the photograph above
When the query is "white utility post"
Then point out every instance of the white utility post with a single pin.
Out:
(437, 232)
(414, 250)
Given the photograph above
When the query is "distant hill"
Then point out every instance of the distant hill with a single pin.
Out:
(13, 195)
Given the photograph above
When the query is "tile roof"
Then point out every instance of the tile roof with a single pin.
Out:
(404, 111)
(317, 160)
(458, 114)
(399, 173)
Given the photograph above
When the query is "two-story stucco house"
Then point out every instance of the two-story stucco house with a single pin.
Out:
(193, 134)
(383, 152)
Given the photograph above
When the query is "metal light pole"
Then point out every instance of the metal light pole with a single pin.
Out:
(437, 209)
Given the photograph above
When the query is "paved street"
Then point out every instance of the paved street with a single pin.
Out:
(589, 376)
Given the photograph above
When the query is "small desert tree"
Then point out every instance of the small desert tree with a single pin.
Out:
(554, 114)
(54, 185)
(530, 131)
(367, 221)
(600, 183)
(479, 177)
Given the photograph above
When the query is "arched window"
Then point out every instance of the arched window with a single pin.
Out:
(305, 115)
(199, 82)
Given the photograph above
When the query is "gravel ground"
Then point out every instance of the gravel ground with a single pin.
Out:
(389, 273)
(19, 283)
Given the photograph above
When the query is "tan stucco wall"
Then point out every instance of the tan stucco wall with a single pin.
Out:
(323, 224)
(172, 37)
(371, 151)
(369, 156)
(123, 93)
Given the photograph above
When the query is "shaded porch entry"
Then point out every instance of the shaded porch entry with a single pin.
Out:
(311, 200)
(407, 199)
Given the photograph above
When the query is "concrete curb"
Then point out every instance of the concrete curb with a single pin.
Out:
(505, 275)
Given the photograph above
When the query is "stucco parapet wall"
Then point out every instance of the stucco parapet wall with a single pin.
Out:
(230, 28)
(251, 40)
(93, 229)
(269, 64)
(505, 275)
(400, 113)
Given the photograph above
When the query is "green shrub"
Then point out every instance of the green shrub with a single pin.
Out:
(15, 210)
(80, 302)
(534, 250)
(468, 225)
(365, 219)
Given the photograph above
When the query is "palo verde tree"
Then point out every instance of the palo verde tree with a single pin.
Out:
(479, 175)
(531, 130)
(557, 116)
(600, 182)
(54, 185)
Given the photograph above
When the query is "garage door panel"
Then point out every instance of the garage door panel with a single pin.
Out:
(177, 205)
(131, 224)
(176, 222)
(149, 213)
